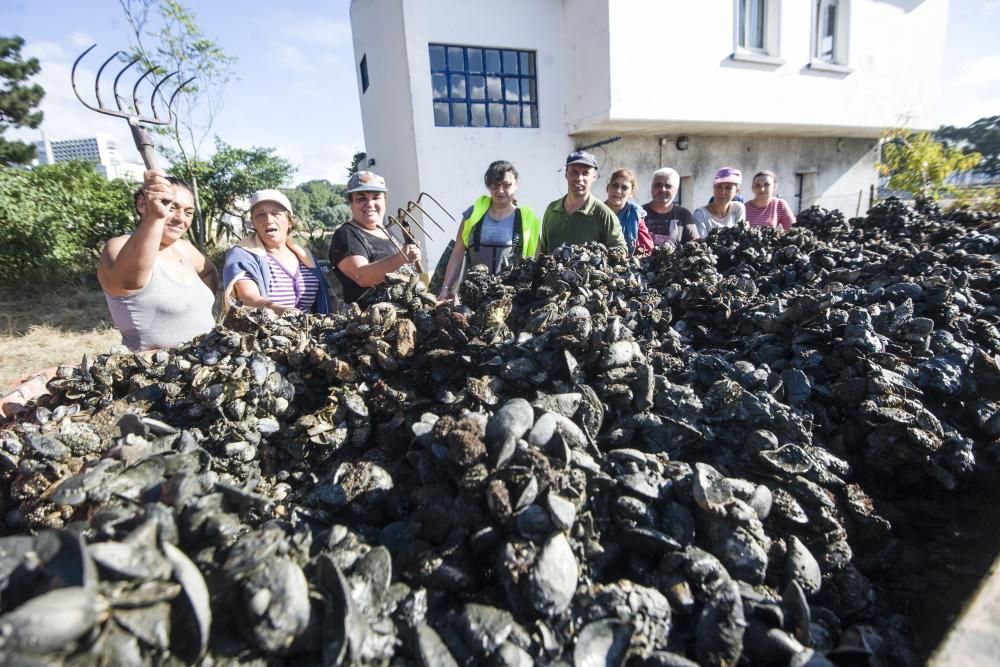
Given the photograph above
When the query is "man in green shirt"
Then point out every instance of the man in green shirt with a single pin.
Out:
(579, 216)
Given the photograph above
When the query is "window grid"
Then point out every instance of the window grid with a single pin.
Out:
(483, 87)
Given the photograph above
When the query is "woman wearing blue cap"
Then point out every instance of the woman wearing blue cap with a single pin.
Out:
(361, 251)
(267, 269)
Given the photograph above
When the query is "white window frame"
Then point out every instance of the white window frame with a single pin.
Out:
(770, 54)
(837, 61)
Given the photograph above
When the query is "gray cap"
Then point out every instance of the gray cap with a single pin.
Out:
(365, 181)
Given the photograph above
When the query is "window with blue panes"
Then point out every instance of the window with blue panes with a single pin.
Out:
(482, 87)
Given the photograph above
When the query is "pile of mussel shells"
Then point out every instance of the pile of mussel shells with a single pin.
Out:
(760, 449)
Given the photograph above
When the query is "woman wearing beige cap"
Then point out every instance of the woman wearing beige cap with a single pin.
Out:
(361, 251)
(267, 269)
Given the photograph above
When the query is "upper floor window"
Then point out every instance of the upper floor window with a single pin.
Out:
(830, 27)
(756, 31)
(483, 87)
(364, 73)
(751, 25)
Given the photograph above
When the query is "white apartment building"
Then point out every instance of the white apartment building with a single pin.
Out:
(801, 87)
(100, 149)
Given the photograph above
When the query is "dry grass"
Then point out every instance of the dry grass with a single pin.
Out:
(41, 328)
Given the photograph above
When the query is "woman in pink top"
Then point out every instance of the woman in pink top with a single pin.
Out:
(766, 210)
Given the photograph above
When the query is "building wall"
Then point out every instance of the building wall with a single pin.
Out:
(588, 59)
(843, 167)
(671, 61)
(386, 108)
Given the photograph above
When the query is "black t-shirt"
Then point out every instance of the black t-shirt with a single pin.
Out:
(659, 224)
(350, 240)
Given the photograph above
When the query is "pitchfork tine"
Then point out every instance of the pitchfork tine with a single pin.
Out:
(72, 79)
(170, 102)
(413, 203)
(135, 90)
(114, 87)
(156, 91)
(403, 212)
(97, 79)
(431, 197)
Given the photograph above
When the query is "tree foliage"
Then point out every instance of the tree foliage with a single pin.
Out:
(166, 36)
(981, 137)
(916, 163)
(319, 203)
(54, 218)
(230, 176)
(357, 163)
(17, 99)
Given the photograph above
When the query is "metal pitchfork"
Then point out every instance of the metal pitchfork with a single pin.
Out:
(403, 213)
(143, 140)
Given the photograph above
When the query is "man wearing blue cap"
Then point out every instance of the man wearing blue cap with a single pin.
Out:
(579, 216)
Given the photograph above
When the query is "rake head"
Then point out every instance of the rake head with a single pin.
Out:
(404, 217)
(134, 114)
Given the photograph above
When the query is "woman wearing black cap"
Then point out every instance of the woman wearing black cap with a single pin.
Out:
(361, 251)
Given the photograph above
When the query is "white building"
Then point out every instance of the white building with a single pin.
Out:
(801, 87)
(100, 149)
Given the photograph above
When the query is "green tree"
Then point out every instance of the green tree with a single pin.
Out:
(17, 99)
(981, 137)
(229, 176)
(916, 163)
(320, 202)
(55, 218)
(166, 36)
(334, 216)
(301, 203)
(357, 163)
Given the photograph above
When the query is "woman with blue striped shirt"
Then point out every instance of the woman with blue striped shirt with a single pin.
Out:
(267, 269)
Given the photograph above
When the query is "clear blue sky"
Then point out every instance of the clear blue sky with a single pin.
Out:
(297, 88)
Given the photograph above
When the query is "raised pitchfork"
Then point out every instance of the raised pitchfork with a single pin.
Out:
(136, 121)
(407, 213)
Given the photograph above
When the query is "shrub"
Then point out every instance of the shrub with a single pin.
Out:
(54, 220)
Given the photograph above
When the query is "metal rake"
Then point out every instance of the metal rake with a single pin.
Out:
(136, 120)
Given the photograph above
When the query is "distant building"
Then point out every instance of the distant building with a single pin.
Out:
(100, 150)
(801, 87)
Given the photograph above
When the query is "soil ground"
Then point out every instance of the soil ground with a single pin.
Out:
(45, 327)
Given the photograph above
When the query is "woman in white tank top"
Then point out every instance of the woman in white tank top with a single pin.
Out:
(159, 287)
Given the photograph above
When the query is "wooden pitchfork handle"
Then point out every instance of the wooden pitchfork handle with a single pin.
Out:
(144, 142)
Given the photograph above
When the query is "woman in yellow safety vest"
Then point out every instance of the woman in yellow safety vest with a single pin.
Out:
(493, 231)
